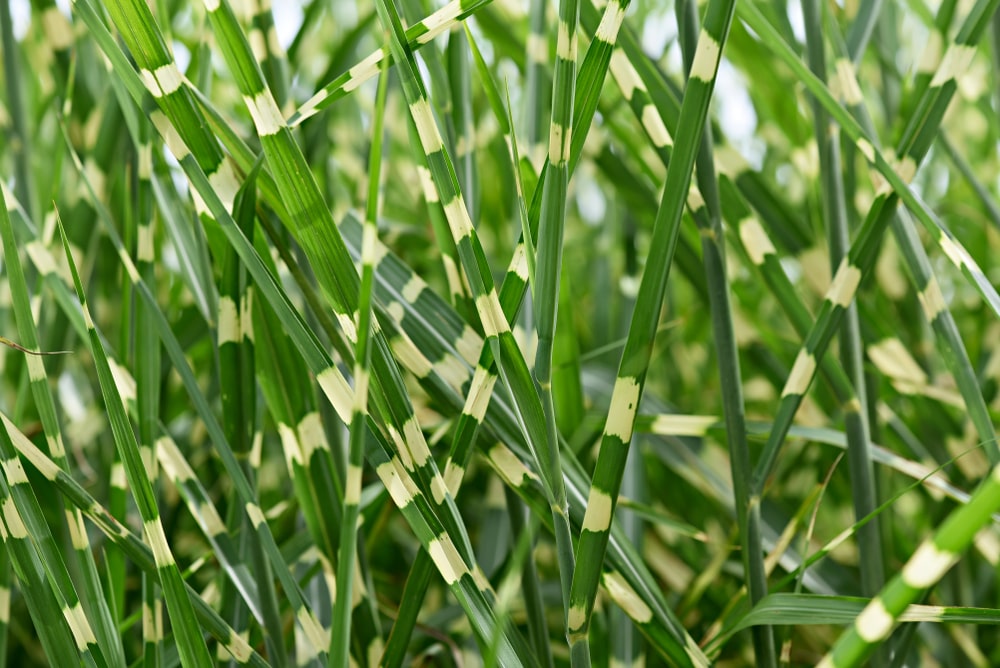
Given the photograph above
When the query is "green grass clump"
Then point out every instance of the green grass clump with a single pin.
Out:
(486, 333)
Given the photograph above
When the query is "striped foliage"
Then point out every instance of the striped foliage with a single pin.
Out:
(480, 333)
